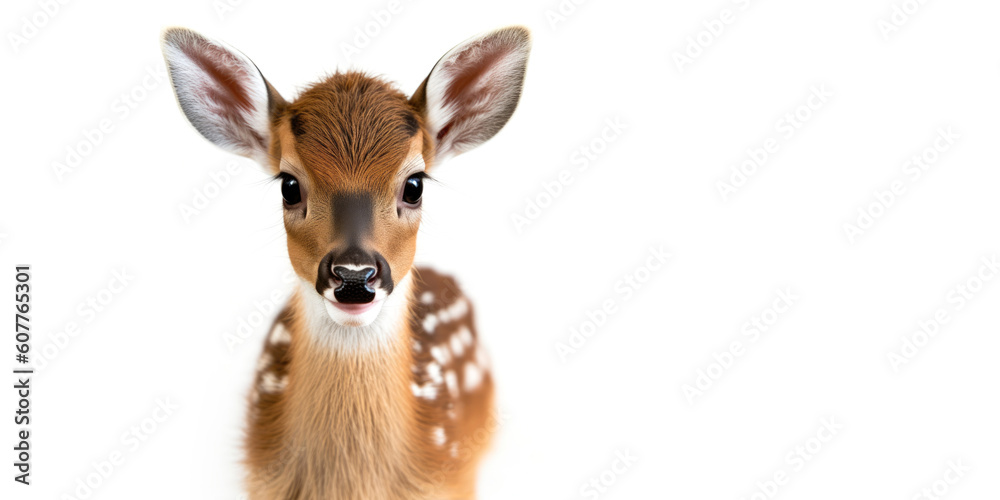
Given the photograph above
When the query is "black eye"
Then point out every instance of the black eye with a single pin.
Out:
(290, 190)
(413, 188)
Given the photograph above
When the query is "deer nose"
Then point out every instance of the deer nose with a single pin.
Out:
(353, 276)
(355, 284)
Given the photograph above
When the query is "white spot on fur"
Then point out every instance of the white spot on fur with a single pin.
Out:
(418, 346)
(280, 335)
(271, 383)
(264, 361)
(457, 348)
(464, 335)
(434, 372)
(451, 380)
(439, 437)
(441, 354)
(427, 298)
(473, 377)
(445, 315)
(454, 449)
(454, 311)
(426, 391)
(430, 323)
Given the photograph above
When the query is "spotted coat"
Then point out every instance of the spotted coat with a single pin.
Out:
(451, 384)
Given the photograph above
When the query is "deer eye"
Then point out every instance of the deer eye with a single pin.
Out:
(413, 189)
(290, 190)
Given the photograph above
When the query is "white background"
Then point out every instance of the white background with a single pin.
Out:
(655, 185)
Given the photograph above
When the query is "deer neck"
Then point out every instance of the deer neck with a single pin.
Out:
(350, 407)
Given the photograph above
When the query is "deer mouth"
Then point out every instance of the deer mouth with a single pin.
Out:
(353, 314)
(356, 309)
(354, 284)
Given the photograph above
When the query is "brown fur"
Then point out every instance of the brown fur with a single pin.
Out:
(398, 403)
(353, 137)
(357, 124)
(348, 425)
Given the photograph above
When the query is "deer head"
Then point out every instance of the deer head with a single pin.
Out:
(351, 152)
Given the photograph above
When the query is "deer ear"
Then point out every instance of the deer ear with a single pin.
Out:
(473, 90)
(221, 92)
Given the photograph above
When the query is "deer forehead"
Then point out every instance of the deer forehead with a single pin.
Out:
(352, 132)
(329, 174)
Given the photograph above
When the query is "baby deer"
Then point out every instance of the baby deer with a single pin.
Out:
(371, 383)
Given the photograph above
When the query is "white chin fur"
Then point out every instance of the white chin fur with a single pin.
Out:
(344, 318)
(374, 329)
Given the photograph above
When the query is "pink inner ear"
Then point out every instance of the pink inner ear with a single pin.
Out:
(476, 80)
(228, 79)
(443, 132)
(469, 69)
(474, 89)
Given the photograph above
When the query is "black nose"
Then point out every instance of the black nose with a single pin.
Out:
(355, 285)
(354, 275)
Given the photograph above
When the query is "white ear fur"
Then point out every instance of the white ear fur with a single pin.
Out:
(473, 90)
(221, 92)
